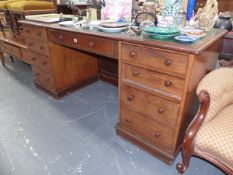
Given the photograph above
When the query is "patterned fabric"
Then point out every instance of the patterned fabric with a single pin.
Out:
(216, 137)
(219, 85)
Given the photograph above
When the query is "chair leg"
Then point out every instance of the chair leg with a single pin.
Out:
(186, 155)
(2, 59)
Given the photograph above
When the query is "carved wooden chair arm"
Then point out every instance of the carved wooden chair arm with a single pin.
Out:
(225, 63)
(187, 145)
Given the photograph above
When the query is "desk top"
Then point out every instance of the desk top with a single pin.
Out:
(194, 48)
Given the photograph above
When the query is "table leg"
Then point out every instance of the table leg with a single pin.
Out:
(2, 59)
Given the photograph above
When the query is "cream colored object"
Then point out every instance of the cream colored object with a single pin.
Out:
(215, 137)
(91, 14)
(219, 85)
(206, 16)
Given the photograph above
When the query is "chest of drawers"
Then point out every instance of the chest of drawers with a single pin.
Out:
(58, 69)
(39, 57)
(156, 88)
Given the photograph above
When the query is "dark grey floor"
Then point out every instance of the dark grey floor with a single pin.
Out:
(71, 136)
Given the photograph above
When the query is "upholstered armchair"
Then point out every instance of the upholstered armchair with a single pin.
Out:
(15, 10)
(210, 134)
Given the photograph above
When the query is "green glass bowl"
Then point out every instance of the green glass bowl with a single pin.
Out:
(161, 31)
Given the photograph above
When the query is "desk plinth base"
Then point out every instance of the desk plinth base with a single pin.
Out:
(164, 157)
(67, 91)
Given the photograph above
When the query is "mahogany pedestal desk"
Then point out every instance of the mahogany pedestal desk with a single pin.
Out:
(157, 79)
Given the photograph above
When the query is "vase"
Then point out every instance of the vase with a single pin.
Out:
(224, 22)
(206, 16)
(190, 7)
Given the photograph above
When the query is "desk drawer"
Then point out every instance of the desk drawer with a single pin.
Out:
(157, 134)
(155, 108)
(92, 44)
(36, 33)
(97, 45)
(40, 61)
(38, 46)
(63, 38)
(155, 59)
(12, 50)
(43, 78)
(153, 81)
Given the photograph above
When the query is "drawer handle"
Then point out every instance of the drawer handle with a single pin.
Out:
(168, 83)
(130, 97)
(44, 63)
(26, 31)
(160, 110)
(38, 33)
(136, 73)
(75, 40)
(37, 74)
(128, 121)
(168, 62)
(157, 134)
(61, 37)
(41, 48)
(132, 54)
(33, 59)
(30, 44)
(48, 79)
(91, 44)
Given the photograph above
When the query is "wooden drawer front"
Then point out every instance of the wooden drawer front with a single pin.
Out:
(97, 45)
(149, 131)
(153, 81)
(45, 79)
(155, 59)
(40, 61)
(93, 44)
(38, 46)
(12, 50)
(36, 33)
(64, 38)
(153, 107)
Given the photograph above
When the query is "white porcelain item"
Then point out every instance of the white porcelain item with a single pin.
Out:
(67, 23)
(111, 30)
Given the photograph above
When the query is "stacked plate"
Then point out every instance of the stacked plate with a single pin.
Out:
(190, 35)
(112, 27)
(161, 33)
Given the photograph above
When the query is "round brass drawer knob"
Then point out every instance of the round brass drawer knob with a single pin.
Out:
(44, 63)
(167, 83)
(130, 97)
(37, 74)
(157, 134)
(48, 79)
(91, 44)
(75, 40)
(128, 121)
(135, 73)
(168, 62)
(61, 37)
(161, 111)
(132, 54)
(33, 59)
